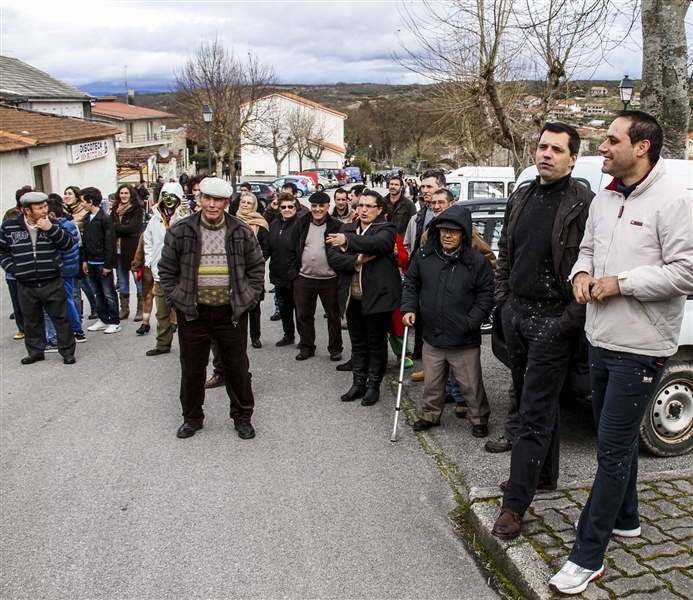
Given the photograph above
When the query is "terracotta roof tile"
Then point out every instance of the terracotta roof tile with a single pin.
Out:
(309, 103)
(122, 111)
(25, 128)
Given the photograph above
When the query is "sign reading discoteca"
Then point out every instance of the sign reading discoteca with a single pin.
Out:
(80, 153)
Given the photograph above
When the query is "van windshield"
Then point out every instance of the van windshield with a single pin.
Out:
(486, 189)
(454, 189)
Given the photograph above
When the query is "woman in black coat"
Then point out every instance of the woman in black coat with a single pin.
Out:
(127, 215)
(280, 231)
(369, 291)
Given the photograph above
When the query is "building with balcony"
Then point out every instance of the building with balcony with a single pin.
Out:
(141, 127)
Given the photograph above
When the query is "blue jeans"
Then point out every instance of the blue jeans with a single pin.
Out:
(622, 386)
(106, 297)
(75, 321)
(84, 286)
(453, 388)
(123, 277)
(16, 308)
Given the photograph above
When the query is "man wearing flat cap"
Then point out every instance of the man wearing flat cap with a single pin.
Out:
(212, 272)
(312, 276)
(30, 246)
(450, 285)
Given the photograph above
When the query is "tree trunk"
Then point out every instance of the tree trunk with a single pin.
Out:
(664, 71)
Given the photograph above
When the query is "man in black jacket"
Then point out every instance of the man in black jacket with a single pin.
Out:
(544, 224)
(313, 277)
(450, 285)
(99, 247)
(30, 246)
(403, 209)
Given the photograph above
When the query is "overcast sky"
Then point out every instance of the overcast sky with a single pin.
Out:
(88, 44)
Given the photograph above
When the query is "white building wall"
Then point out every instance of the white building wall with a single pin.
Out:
(17, 170)
(67, 109)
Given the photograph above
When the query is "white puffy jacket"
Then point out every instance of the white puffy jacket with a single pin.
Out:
(647, 242)
(154, 238)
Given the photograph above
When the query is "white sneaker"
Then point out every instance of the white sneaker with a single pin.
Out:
(112, 328)
(98, 326)
(629, 533)
(573, 579)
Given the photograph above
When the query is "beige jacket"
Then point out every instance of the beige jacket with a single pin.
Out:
(647, 242)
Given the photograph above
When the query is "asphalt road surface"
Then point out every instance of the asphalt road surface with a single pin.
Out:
(101, 500)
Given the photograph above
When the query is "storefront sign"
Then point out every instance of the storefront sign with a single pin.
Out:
(80, 153)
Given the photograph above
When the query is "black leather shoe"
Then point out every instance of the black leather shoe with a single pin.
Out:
(285, 341)
(335, 356)
(30, 360)
(304, 355)
(156, 352)
(245, 431)
(275, 317)
(354, 393)
(256, 343)
(143, 329)
(423, 425)
(69, 360)
(187, 430)
(479, 430)
(345, 366)
(371, 397)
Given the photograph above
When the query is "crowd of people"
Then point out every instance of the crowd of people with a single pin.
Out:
(576, 273)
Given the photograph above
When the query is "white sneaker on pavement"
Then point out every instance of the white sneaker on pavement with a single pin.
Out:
(112, 328)
(629, 533)
(573, 579)
(98, 326)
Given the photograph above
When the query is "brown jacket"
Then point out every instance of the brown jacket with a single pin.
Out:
(180, 262)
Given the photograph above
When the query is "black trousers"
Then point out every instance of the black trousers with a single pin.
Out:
(254, 316)
(539, 360)
(368, 335)
(287, 308)
(306, 293)
(195, 338)
(51, 297)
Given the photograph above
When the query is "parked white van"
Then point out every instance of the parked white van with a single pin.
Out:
(472, 183)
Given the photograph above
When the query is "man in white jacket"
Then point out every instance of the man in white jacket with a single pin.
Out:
(634, 271)
(172, 206)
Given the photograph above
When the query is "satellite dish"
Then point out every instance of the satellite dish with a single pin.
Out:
(164, 151)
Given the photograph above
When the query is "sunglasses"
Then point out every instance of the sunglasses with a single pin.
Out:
(367, 205)
(289, 207)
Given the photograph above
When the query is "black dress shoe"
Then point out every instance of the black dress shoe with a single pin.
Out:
(156, 352)
(256, 343)
(371, 397)
(245, 431)
(304, 355)
(69, 360)
(187, 430)
(285, 341)
(335, 356)
(143, 329)
(345, 366)
(275, 317)
(30, 360)
(423, 425)
(354, 393)
(480, 431)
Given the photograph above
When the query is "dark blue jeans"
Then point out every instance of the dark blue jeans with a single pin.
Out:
(622, 386)
(106, 297)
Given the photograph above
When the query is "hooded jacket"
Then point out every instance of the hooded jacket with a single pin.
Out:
(180, 263)
(154, 236)
(380, 278)
(455, 293)
(646, 240)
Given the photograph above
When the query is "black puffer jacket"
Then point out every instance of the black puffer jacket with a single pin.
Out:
(380, 280)
(455, 293)
(280, 244)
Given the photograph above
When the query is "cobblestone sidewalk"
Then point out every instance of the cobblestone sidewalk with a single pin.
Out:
(657, 566)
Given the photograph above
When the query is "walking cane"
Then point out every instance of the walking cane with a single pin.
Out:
(398, 405)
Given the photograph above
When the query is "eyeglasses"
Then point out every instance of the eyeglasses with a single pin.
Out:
(438, 202)
(289, 207)
(452, 232)
(367, 205)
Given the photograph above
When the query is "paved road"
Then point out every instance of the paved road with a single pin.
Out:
(101, 500)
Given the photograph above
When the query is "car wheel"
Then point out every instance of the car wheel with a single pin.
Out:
(299, 194)
(487, 325)
(667, 429)
(321, 188)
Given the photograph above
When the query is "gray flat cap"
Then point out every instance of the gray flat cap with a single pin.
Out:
(215, 187)
(33, 198)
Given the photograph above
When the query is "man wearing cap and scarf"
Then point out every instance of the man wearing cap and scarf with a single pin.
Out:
(172, 206)
(30, 246)
(212, 273)
(450, 285)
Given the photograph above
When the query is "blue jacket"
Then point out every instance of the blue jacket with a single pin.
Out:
(28, 265)
(71, 262)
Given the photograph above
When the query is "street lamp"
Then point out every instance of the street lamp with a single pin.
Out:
(207, 115)
(370, 147)
(288, 143)
(625, 88)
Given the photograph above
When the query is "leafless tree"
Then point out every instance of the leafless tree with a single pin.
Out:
(665, 78)
(230, 85)
(308, 131)
(272, 131)
(486, 54)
